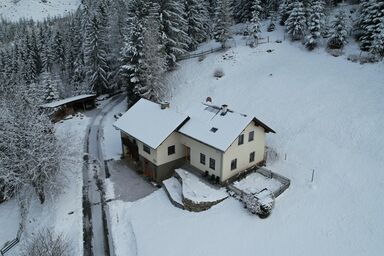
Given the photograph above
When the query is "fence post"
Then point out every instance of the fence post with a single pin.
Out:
(313, 174)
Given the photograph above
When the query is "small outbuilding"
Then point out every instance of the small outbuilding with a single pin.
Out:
(57, 110)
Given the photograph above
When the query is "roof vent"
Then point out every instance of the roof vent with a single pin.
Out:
(224, 109)
(164, 105)
(208, 99)
(213, 129)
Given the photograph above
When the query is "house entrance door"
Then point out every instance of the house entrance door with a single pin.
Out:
(187, 154)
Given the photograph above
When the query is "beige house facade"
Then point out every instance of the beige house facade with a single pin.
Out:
(213, 139)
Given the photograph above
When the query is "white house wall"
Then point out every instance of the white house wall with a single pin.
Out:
(160, 155)
(162, 150)
(209, 152)
(242, 152)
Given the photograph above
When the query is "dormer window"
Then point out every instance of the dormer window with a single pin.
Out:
(213, 129)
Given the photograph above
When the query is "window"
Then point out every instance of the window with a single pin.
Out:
(252, 157)
(213, 129)
(251, 136)
(171, 150)
(202, 158)
(212, 163)
(233, 164)
(146, 149)
(241, 139)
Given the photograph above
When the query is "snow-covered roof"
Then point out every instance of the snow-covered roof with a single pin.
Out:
(150, 124)
(209, 126)
(59, 103)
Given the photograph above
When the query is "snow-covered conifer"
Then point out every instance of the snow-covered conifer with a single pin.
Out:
(338, 33)
(254, 26)
(197, 19)
(315, 24)
(223, 22)
(96, 56)
(173, 26)
(296, 22)
(377, 47)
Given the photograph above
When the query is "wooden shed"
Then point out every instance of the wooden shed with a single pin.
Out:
(57, 110)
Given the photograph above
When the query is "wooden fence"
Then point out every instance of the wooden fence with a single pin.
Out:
(199, 54)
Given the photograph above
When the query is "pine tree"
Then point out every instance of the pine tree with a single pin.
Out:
(377, 47)
(338, 37)
(285, 10)
(59, 50)
(174, 27)
(154, 63)
(254, 27)
(371, 12)
(242, 10)
(49, 85)
(315, 24)
(96, 57)
(197, 21)
(132, 52)
(296, 22)
(223, 22)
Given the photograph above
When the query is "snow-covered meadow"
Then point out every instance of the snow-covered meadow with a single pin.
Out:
(328, 114)
(36, 9)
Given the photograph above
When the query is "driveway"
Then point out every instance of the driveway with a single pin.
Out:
(128, 185)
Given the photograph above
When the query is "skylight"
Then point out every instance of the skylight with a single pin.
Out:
(213, 129)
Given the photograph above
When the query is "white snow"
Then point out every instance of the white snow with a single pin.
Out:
(255, 182)
(62, 212)
(197, 191)
(150, 124)
(36, 9)
(207, 116)
(174, 189)
(328, 115)
(59, 103)
(9, 221)
(112, 147)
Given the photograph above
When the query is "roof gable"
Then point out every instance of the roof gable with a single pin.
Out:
(211, 126)
(150, 124)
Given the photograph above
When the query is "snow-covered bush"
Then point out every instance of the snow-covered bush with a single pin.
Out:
(48, 244)
(218, 73)
(260, 204)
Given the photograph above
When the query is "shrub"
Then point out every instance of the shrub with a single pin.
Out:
(218, 73)
(48, 244)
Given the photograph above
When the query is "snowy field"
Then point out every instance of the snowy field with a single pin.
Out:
(36, 9)
(329, 117)
(61, 213)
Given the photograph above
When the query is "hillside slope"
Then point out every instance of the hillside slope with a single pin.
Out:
(328, 114)
(36, 9)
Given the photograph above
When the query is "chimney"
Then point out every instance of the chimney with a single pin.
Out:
(209, 99)
(164, 105)
(224, 109)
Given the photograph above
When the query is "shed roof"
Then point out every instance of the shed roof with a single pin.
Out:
(150, 124)
(59, 103)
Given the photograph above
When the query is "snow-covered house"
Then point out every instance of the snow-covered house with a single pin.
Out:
(214, 139)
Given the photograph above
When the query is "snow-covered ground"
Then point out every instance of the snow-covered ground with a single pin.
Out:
(9, 221)
(61, 213)
(255, 182)
(328, 114)
(112, 147)
(36, 9)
